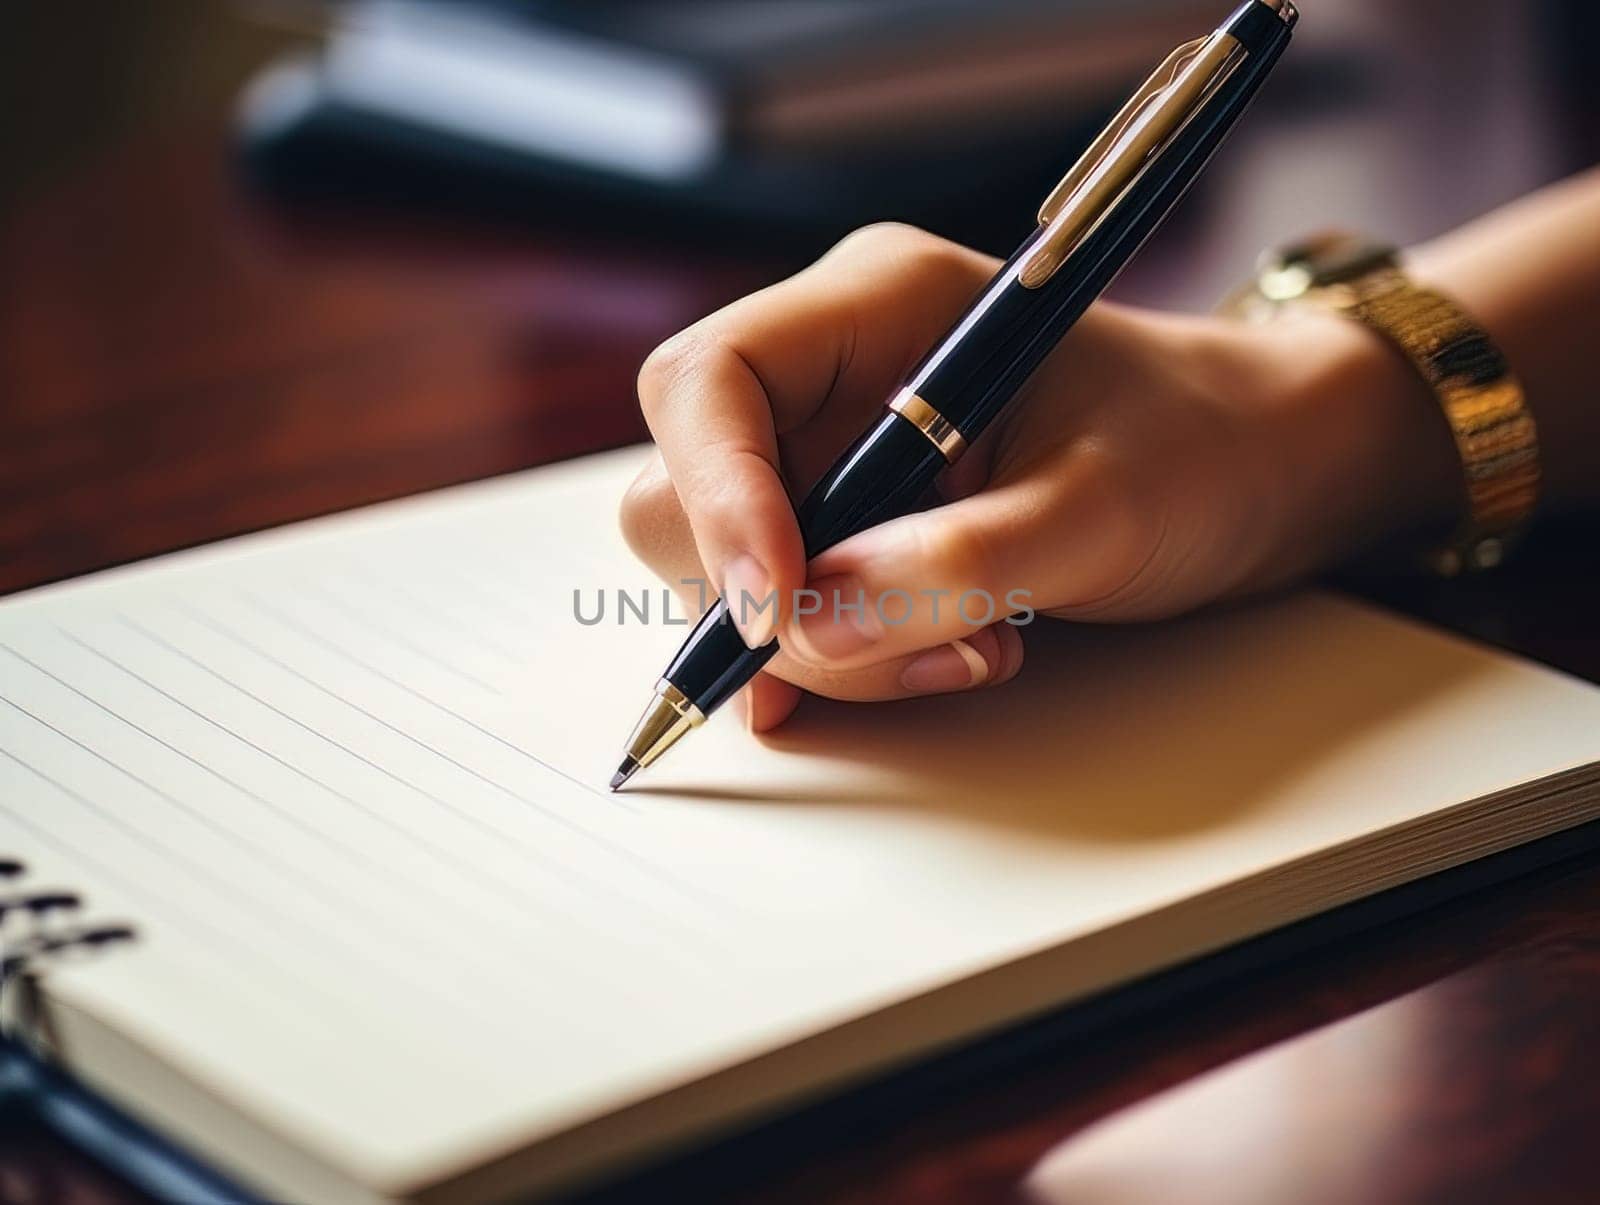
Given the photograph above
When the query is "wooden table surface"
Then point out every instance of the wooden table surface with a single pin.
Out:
(180, 362)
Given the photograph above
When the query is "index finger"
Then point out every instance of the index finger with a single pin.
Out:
(717, 396)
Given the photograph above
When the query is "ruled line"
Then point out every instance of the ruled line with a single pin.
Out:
(470, 872)
(311, 634)
(440, 989)
(494, 832)
(594, 838)
(380, 930)
(393, 637)
(231, 940)
(490, 601)
(336, 846)
(443, 616)
(290, 871)
(183, 918)
(355, 1007)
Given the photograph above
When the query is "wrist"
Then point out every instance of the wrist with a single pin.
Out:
(1358, 454)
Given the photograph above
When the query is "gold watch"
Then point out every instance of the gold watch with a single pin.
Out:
(1481, 399)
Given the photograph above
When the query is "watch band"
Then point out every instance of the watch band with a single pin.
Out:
(1482, 400)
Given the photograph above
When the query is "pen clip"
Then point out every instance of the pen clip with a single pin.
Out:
(1158, 110)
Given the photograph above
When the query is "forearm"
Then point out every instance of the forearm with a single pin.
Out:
(1530, 273)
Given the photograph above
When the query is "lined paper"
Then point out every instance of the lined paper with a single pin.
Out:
(348, 780)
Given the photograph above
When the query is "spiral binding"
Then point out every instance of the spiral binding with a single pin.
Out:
(34, 932)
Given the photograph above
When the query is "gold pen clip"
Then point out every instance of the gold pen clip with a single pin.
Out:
(1141, 127)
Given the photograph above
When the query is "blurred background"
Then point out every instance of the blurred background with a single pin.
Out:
(792, 119)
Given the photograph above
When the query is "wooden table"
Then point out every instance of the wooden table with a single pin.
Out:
(179, 362)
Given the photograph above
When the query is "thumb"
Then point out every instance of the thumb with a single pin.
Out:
(943, 574)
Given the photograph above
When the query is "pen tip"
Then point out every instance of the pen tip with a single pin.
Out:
(624, 772)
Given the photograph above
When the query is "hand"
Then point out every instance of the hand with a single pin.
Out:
(1154, 463)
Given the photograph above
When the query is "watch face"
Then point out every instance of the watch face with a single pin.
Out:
(1335, 256)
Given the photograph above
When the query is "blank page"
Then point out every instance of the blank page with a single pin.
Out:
(349, 780)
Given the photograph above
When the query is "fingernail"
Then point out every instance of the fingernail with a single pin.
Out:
(747, 590)
(844, 623)
(953, 666)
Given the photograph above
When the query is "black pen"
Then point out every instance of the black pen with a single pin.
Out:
(1089, 227)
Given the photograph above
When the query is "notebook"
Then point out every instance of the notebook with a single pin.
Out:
(394, 940)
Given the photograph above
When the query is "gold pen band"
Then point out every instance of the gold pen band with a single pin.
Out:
(941, 432)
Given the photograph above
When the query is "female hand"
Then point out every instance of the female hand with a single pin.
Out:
(1154, 463)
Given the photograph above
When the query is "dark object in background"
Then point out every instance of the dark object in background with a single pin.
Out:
(800, 116)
